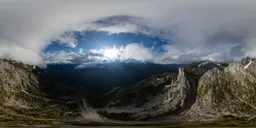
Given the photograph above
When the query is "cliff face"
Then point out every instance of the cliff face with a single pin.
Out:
(19, 86)
(160, 95)
(203, 91)
(230, 91)
(22, 96)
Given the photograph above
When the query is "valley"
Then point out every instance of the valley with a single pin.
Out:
(201, 92)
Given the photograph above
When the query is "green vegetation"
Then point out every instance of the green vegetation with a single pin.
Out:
(227, 121)
(23, 122)
(22, 100)
(46, 113)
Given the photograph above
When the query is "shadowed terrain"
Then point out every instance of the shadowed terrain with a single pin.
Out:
(205, 93)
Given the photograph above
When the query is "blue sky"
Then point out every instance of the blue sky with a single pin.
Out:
(88, 40)
(155, 46)
(80, 31)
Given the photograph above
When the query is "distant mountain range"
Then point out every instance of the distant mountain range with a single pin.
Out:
(104, 76)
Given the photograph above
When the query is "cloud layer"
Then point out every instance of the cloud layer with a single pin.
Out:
(133, 51)
(220, 30)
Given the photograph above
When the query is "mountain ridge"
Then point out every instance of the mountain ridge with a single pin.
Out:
(24, 97)
(202, 92)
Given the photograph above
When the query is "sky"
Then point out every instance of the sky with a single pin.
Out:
(158, 31)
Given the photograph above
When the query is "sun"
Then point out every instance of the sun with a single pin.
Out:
(111, 53)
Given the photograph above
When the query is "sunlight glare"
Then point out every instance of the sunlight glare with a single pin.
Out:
(112, 53)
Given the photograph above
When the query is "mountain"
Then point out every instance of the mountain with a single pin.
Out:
(203, 92)
(230, 91)
(24, 98)
(102, 77)
(159, 95)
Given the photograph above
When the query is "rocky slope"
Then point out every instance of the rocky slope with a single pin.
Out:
(24, 97)
(168, 94)
(230, 91)
(201, 92)
(19, 87)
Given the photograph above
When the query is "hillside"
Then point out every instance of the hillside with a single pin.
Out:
(230, 91)
(202, 92)
(24, 98)
(103, 77)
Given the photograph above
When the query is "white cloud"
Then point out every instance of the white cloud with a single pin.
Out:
(251, 47)
(61, 57)
(27, 26)
(81, 51)
(112, 53)
(10, 50)
(67, 39)
(218, 57)
(116, 29)
(131, 51)
(137, 52)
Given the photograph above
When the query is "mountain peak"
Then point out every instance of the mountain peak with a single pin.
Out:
(247, 60)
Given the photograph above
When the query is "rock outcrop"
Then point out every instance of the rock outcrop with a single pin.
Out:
(22, 95)
(160, 95)
(19, 87)
(203, 91)
(230, 91)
